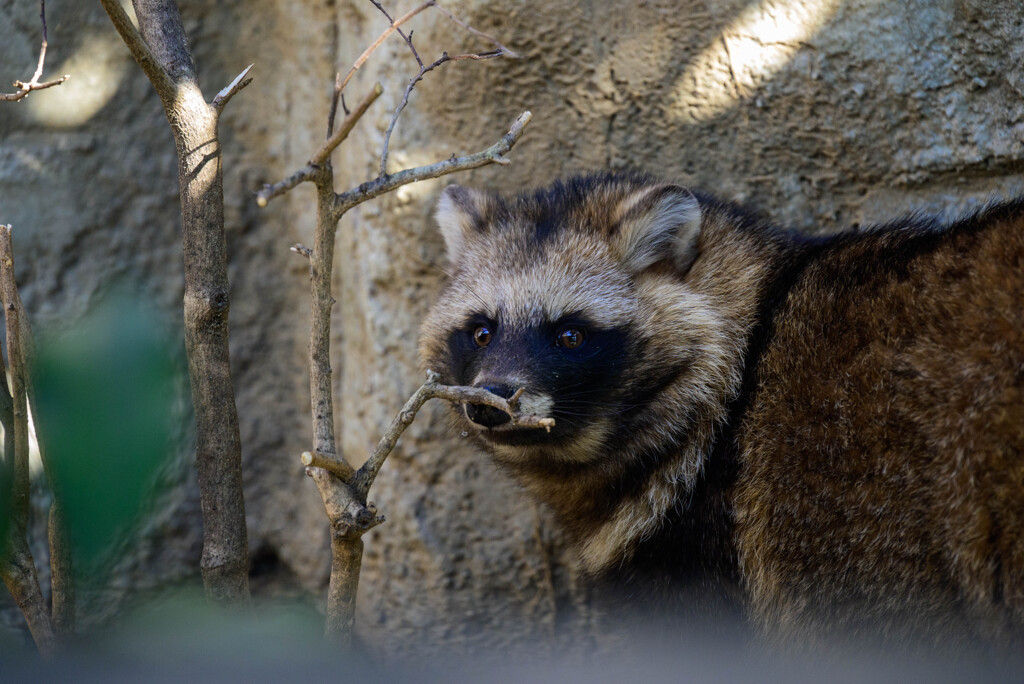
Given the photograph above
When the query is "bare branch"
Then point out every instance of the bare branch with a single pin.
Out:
(18, 571)
(364, 478)
(336, 465)
(476, 395)
(269, 192)
(335, 96)
(346, 126)
(160, 79)
(25, 88)
(33, 83)
(221, 99)
(360, 481)
(408, 91)
(346, 565)
(508, 53)
(381, 38)
(61, 572)
(302, 250)
(406, 38)
(342, 490)
(62, 580)
(315, 166)
(350, 519)
(379, 186)
(17, 566)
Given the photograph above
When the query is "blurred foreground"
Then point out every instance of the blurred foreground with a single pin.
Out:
(180, 639)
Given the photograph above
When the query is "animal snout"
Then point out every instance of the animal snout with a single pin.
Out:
(488, 416)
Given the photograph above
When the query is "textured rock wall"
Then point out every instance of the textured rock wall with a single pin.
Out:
(820, 113)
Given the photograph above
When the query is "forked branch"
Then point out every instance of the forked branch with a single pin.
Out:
(365, 476)
(350, 513)
(26, 87)
(316, 163)
(343, 489)
(361, 60)
(444, 59)
(495, 154)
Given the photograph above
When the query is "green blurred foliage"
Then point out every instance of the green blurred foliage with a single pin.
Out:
(105, 405)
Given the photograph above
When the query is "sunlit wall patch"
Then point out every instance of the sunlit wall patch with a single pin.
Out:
(755, 46)
(98, 67)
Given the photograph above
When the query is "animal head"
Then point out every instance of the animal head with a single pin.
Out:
(575, 293)
(621, 305)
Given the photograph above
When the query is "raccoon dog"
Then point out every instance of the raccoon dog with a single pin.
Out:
(828, 432)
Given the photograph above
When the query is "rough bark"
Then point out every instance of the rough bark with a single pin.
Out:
(62, 581)
(162, 52)
(346, 552)
(17, 567)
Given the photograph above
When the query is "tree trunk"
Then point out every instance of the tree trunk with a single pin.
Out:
(163, 54)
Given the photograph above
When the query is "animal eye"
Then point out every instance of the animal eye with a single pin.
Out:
(482, 336)
(570, 338)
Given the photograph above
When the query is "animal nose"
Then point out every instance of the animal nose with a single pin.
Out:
(488, 416)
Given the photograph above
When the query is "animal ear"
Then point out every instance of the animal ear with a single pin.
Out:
(460, 213)
(658, 223)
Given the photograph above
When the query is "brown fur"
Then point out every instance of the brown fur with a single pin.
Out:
(882, 473)
(831, 430)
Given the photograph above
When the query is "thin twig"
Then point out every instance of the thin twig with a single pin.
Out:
(492, 155)
(445, 58)
(313, 168)
(406, 38)
(381, 38)
(335, 96)
(511, 54)
(221, 99)
(302, 250)
(346, 126)
(33, 83)
(366, 474)
(269, 192)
